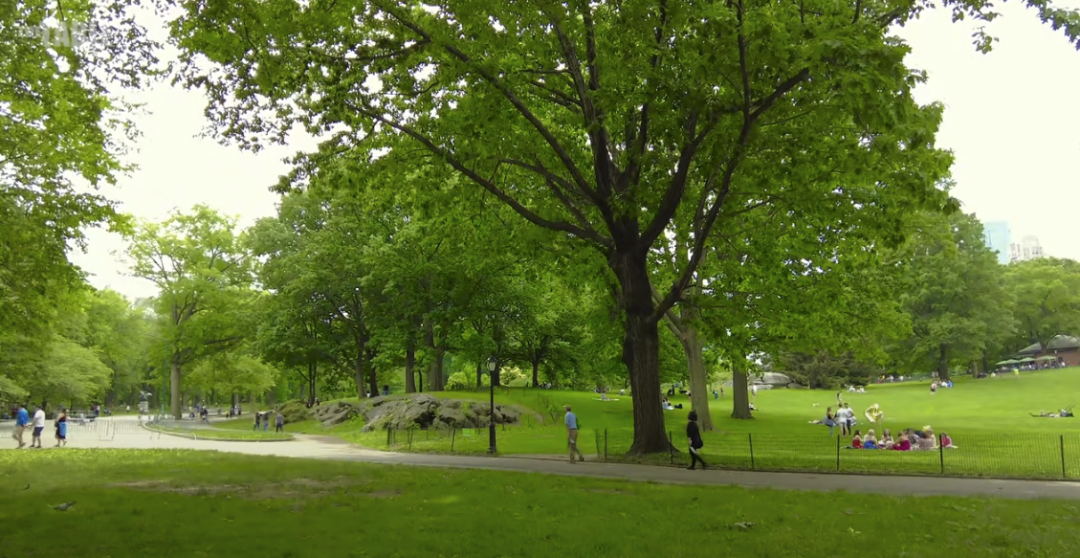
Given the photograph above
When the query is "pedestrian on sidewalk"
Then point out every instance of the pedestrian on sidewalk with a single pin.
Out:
(39, 427)
(61, 428)
(22, 420)
(693, 435)
(572, 433)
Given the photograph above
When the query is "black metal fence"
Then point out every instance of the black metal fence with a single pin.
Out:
(1023, 456)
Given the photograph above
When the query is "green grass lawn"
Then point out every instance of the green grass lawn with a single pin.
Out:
(989, 419)
(202, 504)
(215, 434)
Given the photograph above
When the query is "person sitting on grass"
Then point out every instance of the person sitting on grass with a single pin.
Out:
(856, 441)
(903, 443)
(870, 442)
(886, 441)
(946, 441)
(926, 441)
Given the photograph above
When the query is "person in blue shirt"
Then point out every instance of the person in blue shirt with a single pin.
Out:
(22, 420)
(571, 433)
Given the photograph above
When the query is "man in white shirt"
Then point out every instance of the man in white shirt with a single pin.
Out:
(39, 426)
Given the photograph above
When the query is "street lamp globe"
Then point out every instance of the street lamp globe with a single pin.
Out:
(492, 362)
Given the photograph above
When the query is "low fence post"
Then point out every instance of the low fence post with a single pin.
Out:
(838, 453)
(671, 447)
(1064, 474)
(941, 454)
(410, 435)
(750, 440)
(453, 436)
(389, 432)
(605, 444)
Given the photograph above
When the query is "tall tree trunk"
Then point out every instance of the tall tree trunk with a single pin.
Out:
(436, 382)
(943, 362)
(410, 367)
(175, 407)
(536, 372)
(641, 351)
(312, 379)
(740, 393)
(360, 366)
(480, 374)
(373, 376)
(695, 362)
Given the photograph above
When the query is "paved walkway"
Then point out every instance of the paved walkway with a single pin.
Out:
(129, 436)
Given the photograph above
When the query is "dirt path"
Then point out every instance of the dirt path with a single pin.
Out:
(319, 447)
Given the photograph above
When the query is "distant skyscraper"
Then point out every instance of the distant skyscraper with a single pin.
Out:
(1028, 249)
(998, 238)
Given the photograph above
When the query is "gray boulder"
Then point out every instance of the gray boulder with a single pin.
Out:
(415, 411)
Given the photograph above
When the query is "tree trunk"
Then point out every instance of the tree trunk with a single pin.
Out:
(740, 393)
(641, 351)
(480, 374)
(943, 362)
(410, 368)
(175, 408)
(536, 373)
(373, 376)
(436, 382)
(695, 362)
(360, 366)
(312, 379)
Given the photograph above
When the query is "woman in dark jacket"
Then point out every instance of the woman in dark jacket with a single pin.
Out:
(693, 434)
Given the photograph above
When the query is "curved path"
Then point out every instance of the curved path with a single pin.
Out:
(125, 433)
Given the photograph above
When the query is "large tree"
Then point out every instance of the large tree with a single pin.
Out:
(204, 275)
(602, 120)
(1046, 298)
(953, 294)
(60, 118)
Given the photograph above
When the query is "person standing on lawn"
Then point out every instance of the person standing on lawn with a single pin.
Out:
(22, 420)
(693, 435)
(572, 434)
(280, 422)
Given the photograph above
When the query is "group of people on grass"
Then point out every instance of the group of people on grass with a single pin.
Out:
(909, 440)
(24, 422)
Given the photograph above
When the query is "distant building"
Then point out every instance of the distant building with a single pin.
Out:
(998, 238)
(1027, 249)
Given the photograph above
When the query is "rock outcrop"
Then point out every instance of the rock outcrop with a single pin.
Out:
(414, 411)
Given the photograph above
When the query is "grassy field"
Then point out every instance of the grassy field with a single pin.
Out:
(198, 504)
(215, 434)
(988, 419)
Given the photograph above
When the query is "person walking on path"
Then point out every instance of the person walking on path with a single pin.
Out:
(693, 435)
(61, 428)
(280, 423)
(571, 434)
(258, 417)
(22, 420)
(39, 427)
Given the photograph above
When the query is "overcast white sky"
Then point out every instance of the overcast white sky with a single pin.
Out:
(1012, 118)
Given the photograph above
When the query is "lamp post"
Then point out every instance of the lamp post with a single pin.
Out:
(492, 364)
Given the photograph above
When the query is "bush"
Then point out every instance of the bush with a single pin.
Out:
(295, 411)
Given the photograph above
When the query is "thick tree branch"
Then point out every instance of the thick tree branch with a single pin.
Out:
(509, 94)
(560, 226)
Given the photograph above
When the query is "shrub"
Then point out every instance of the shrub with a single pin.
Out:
(295, 411)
